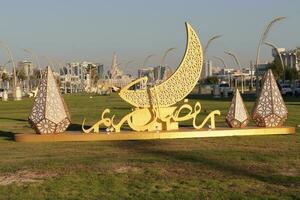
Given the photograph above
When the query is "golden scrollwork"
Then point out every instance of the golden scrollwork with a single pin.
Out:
(154, 107)
(154, 119)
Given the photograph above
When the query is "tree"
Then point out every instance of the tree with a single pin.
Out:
(91, 69)
(5, 77)
(276, 68)
(211, 80)
(291, 74)
(36, 74)
(21, 74)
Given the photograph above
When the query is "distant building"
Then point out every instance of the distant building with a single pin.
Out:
(4, 84)
(207, 69)
(115, 76)
(226, 71)
(261, 69)
(148, 71)
(27, 67)
(74, 76)
(289, 57)
(159, 73)
(100, 70)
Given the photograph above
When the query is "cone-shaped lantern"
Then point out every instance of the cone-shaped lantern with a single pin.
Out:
(49, 113)
(269, 109)
(237, 116)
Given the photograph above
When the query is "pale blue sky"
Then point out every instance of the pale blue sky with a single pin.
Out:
(92, 30)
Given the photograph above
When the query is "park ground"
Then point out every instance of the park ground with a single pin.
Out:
(252, 167)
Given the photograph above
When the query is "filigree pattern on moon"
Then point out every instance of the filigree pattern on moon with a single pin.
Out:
(178, 86)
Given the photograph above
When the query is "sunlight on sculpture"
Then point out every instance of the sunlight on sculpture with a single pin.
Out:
(49, 113)
(158, 110)
(154, 110)
(269, 109)
(237, 116)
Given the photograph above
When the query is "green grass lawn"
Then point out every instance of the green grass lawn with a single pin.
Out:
(256, 167)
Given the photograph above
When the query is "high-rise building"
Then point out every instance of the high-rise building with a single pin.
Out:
(159, 73)
(289, 57)
(27, 67)
(207, 69)
(100, 70)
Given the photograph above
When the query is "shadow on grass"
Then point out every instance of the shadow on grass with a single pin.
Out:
(7, 135)
(294, 104)
(14, 119)
(246, 98)
(152, 147)
(76, 127)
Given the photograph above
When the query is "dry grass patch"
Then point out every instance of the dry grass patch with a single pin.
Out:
(25, 176)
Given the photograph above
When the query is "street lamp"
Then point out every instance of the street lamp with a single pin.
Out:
(209, 42)
(280, 57)
(212, 38)
(225, 67)
(261, 41)
(237, 62)
(146, 59)
(16, 89)
(129, 62)
(126, 66)
(222, 61)
(50, 62)
(4, 65)
(162, 62)
(35, 58)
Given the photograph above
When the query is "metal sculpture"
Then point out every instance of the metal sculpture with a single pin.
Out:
(49, 113)
(177, 86)
(269, 109)
(154, 108)
(237, 116)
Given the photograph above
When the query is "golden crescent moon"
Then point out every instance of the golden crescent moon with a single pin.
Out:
(177, 86)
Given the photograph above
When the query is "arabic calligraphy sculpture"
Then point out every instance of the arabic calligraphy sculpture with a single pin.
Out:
(269, 109)
(154, 107)
(237, 116)
(49, 113)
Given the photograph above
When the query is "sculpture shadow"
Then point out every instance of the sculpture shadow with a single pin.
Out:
(7, 135)
(200, 159)
(14, 119)
(246, 97)
(75, 127)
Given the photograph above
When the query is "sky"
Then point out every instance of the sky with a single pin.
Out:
(91, 30)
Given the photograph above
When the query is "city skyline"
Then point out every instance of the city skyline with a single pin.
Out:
(93, 30)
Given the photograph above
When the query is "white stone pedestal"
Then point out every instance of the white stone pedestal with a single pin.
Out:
(5, 96)
(18, 94)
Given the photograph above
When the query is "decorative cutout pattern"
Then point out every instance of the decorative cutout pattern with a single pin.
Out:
(269, 110)
(175, 88)
(237, 116)
(154, 119)
(49, 113)
(153, 107)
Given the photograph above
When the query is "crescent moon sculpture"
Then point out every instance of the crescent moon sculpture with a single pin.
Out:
(177, 86)
(153, 107)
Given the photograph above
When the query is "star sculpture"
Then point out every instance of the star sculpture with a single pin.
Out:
(237, 116)
(49, 113)
(269, 109)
